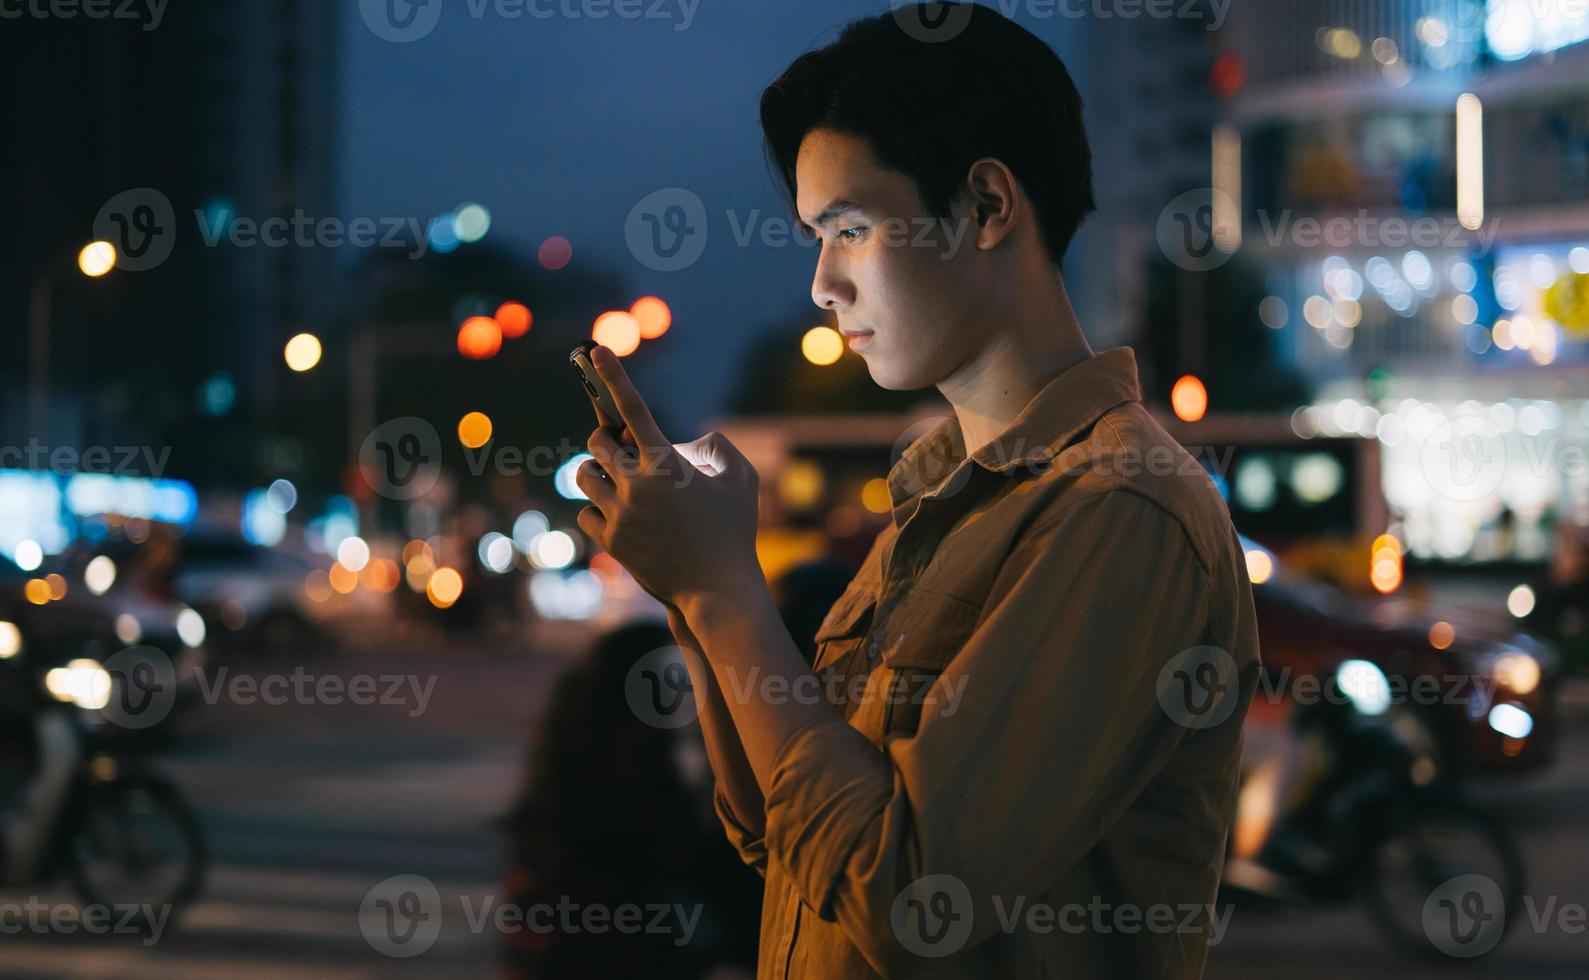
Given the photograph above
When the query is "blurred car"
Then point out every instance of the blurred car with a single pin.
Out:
(1484, 694)
(83, 624)
(252, 596)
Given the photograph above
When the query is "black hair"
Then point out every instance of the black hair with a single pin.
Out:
(930, 101)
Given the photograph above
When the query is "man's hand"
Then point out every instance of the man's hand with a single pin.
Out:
(680, 518)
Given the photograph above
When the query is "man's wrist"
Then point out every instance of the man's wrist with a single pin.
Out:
(738, 594)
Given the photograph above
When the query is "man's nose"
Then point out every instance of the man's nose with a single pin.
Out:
(830, 288)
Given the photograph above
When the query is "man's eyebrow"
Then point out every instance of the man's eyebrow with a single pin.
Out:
(827, 214)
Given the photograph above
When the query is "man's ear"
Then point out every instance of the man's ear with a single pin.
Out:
(994, 199)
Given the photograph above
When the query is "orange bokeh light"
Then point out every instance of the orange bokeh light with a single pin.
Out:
(617, 331)
(653, 315)
(480, 337)
(515, 319)
(1189, 398)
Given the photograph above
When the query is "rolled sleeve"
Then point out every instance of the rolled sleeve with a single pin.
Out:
(752, 847)
(1057, 730)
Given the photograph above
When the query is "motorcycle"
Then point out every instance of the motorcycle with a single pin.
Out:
(72, 801)
(1354, 805)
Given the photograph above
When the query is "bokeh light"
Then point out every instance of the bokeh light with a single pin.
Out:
(618, 331)
(514, 319)
(302, 352)
(822, 345)
(653, 315)
(1189, 398)
(474, 429)
(96, 259)
(480, 337)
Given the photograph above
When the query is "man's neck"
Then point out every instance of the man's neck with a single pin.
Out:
(1032, 346)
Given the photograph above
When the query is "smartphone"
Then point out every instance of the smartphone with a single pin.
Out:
(607, 416)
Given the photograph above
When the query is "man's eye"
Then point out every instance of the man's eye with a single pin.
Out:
(852, 234)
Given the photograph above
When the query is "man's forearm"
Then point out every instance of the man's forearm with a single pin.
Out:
(723, 748)
(751, 655)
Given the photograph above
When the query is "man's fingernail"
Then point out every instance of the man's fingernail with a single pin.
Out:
(601, 356)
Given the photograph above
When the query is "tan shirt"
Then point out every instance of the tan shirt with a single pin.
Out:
(1043, 662)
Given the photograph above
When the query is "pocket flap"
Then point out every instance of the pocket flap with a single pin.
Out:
(850, 615)
(933, 626)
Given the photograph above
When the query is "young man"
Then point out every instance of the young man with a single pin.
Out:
(1016, 752)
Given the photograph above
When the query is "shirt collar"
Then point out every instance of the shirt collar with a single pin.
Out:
(1065, 406)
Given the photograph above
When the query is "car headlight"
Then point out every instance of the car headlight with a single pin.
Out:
(10, 640)
(190, 627)
(82, 682)
(1365, 685)
(1516, 671)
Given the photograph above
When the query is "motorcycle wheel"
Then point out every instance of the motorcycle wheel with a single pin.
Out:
(136, 844)
(1444, 879)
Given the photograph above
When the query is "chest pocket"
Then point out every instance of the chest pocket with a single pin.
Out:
(840, 641)
(923, 637)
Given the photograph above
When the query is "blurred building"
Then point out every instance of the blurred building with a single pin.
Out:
(1412, 178)
(218, 109)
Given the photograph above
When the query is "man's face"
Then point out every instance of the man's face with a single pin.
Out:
(903, 280)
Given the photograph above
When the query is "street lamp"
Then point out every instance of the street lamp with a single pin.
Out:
(94, 260)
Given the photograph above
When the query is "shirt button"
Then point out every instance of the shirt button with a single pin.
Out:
(872, 650)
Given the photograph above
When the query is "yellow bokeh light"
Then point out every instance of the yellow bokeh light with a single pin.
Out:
(474, 429)
(874, 496)
(800, 484)
(303, 352)
(97, 258)
(444, 587)
(343, 579)
(37, 591)
(1189, 398)
(57, 584)
(653, 316)
(1259, 566)
(822, 345)
(618, 331)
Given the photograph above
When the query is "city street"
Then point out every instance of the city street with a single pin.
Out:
(310, 806)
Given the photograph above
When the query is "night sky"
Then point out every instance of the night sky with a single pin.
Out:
(561, 125)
